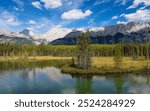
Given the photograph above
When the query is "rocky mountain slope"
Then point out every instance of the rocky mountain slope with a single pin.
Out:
(137, 32)
(26, 37)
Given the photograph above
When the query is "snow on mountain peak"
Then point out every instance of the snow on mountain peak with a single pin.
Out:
(95, 29)
(27, 33)
(137, 27)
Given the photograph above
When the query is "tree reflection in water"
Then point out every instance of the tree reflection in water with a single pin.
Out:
(84, 85)
(148, 76)
(119, 84)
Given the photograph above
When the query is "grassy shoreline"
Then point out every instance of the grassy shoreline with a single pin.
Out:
(105, 65)
(98, 71)
(31, 58)
(100, 65)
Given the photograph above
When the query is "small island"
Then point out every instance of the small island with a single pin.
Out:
(84, 58)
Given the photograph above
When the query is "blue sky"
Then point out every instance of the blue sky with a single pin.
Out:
(42, 15)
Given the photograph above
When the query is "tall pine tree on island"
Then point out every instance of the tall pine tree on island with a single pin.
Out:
(84, 51)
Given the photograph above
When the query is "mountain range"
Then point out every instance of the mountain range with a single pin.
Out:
(25, 37)
(132, 31)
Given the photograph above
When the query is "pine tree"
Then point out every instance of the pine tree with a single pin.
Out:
(84, 52)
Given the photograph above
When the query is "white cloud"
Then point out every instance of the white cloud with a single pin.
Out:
(56, 32)
(19, 3)
(52, 3)
(139, 16)
(40, 26)
(98, 2)
(4, 31)
(91, 21)
(142, 8)
(138, 2)
(104, 23)
(122, 2)
(10, 20)
(30, 28)
(37, 4)
(75, 14)
(73, 4)
(7, 19)
(122, 22)
(31, 22)
(15, 8)
(114, 17)
(122, 15)
(69, 3)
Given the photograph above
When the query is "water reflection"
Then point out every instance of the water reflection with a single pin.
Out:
(119, 84)
(46, 79)
(84, 85)
(140, 83)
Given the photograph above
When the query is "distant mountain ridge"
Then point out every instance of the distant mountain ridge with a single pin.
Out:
(26, 37)
(132, 31)
(137, 32)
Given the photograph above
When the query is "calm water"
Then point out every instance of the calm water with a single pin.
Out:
(51, 80)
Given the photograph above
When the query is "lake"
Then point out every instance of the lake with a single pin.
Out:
(15, 79)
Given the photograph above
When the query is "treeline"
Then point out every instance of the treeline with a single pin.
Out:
(129, 49)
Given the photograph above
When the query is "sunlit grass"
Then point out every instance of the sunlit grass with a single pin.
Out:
(36, 58)
(105, 65)
(98, 62)
(128, 62)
